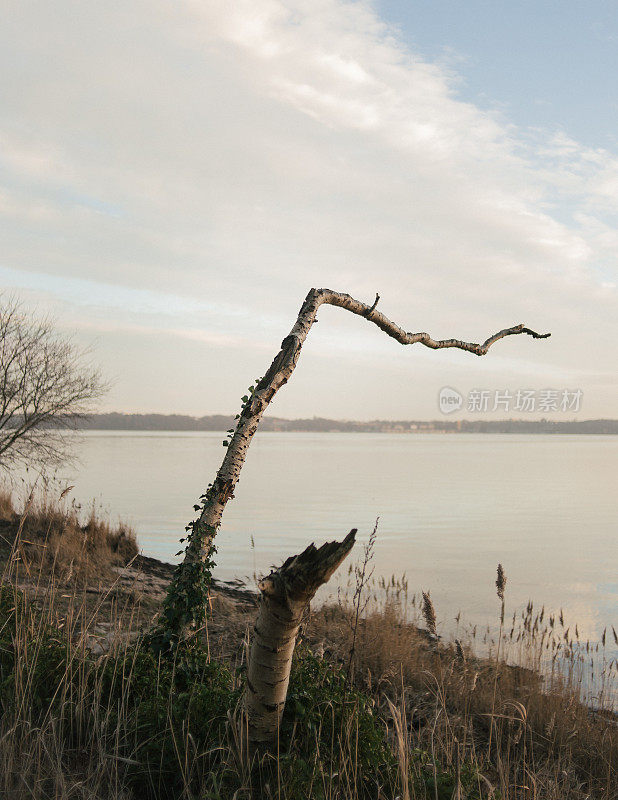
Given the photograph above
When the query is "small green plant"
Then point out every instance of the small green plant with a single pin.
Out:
(186, 601)
(43, 666)
(245, 401)
(432, 781)
(327, 727)
(174, 717)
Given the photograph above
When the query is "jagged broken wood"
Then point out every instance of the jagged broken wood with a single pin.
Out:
(279, 373)
(284, 597)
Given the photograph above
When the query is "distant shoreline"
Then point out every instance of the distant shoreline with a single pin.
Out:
(221, 423)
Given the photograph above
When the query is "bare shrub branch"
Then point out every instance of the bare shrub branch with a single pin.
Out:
(46, 385)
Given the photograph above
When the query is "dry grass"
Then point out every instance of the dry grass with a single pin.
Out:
(48, 537)
(64, 751)
(511, 726)
(547, 743)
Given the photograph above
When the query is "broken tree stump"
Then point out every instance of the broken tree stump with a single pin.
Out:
(284, 597)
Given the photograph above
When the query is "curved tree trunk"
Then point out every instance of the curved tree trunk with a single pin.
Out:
(286, 592)
(284, 597)
(185, 600)
(279, 373)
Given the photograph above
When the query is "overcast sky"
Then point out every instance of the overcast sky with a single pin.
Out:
(174, 177)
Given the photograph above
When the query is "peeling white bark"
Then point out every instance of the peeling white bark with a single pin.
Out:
(279, 373)
(284, 597)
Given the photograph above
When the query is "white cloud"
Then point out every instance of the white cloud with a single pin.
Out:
(234, 154)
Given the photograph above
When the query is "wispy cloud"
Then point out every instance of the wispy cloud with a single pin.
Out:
(197, 168)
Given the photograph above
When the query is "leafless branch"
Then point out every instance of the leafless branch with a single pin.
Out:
(45, 385)
(326, 296)
(279, 373)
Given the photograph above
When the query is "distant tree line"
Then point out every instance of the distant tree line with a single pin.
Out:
(223, 422)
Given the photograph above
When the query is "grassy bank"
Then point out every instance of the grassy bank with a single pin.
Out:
(378, 707)
(50, 539)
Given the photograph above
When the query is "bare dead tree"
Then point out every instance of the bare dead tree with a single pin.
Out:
(286, 592)
(278, 374)
(46, 384)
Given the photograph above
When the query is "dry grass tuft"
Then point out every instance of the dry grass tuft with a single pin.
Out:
(520, 719)
(7, 510)
(48, 537)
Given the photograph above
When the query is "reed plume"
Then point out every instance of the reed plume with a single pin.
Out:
(501, 582)
(429, 614)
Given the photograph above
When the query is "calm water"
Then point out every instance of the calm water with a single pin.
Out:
(450, 506)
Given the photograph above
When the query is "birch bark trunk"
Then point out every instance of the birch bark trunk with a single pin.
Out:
(284, 596)
(204, 529)
(279, 373)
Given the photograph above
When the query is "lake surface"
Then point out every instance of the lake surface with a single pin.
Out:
(450, 506)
